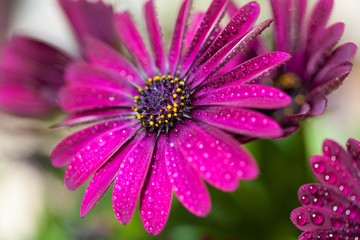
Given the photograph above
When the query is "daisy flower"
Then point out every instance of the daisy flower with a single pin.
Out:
(316, 68)
(164, 125)
(331, 208)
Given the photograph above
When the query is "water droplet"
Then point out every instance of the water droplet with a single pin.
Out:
(317, 218)
(319, 167)
(149, 214)
(301, 219)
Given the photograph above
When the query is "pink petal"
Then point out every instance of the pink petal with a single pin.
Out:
(102, 179)
(68, 147)
(90, 19)
(26, 99)
(255, 68)
(187, 185)
(95, 116)
(237, 26)
(330, 172)
(342, 54)
(319, 17)
(97, 151)
(199, 149)
(178, 36)
(248, 95)
(353, 146)
(310, 218)
(208, 23)
(318, 104)
(231, 9)
(76, 98)
(226, 53)
(131, 177)
(102, 54)
(133, 41)
(155, 200)
(327, 197)
(336, 151)
(84, 73)
(155, 37)
(240, 121)
(282, 21)
(194, 22)
(321, 50)
(333, 79)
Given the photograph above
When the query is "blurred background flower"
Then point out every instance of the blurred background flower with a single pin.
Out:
(35, 205)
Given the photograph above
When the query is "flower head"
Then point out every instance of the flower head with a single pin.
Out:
(316, 68)
(331, 209)
(32, 71)
(164, 124)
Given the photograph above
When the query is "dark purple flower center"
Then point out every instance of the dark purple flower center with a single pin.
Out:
(162, 103)
(291, 84)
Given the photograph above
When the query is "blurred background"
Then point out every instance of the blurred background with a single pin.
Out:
(35, 205)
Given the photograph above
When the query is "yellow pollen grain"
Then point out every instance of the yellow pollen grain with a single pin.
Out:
(178, 90)
(176, 79)
(151, 117)
(169, 115)
(288, 110)
(182, 98)
(176, 105)
(162, 116)
(138, 116)
(163, 77)
(163, 99)
(135, 109)
(150, 80)
(287, 80)
(146, 87)
(174, 95)
(175, 114)
(143, 123)
(175, 109)
(157, 78)
(156, 125)
(300, 99)
(166, 121)
(169, 77)
(137, 97)
(181, 83)
(160, 122)
(169, 107)
(140, 90)
(151, 123)
(172, 81)
(182, 104)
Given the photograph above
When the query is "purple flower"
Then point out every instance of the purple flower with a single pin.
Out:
(164, 125)
(331, 209)
(31, 71)
(316, 68)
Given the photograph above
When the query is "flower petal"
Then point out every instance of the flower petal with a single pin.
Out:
(255, 68)
(76, 98)
(84, 73)
(237, 26)
(131, 177)
(240, 121)
(177, 38)
(353, 146)
(155, 199)
(323, 46)
(220, 58)
(315, 194)
(319, 17)
(95, 116)
(102, 179)
(97, 151)
(247, 95)
(344, 53)
(99, 53)
(68, 147)
(133, 41)
(330, 172)
(155, 37)
(90, 19)
(311, 218)
(318, 104)
(208, 23)
(187, 185)
(24, 99)
(282, 21)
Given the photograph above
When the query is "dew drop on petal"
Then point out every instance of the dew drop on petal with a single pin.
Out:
(317, 218)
